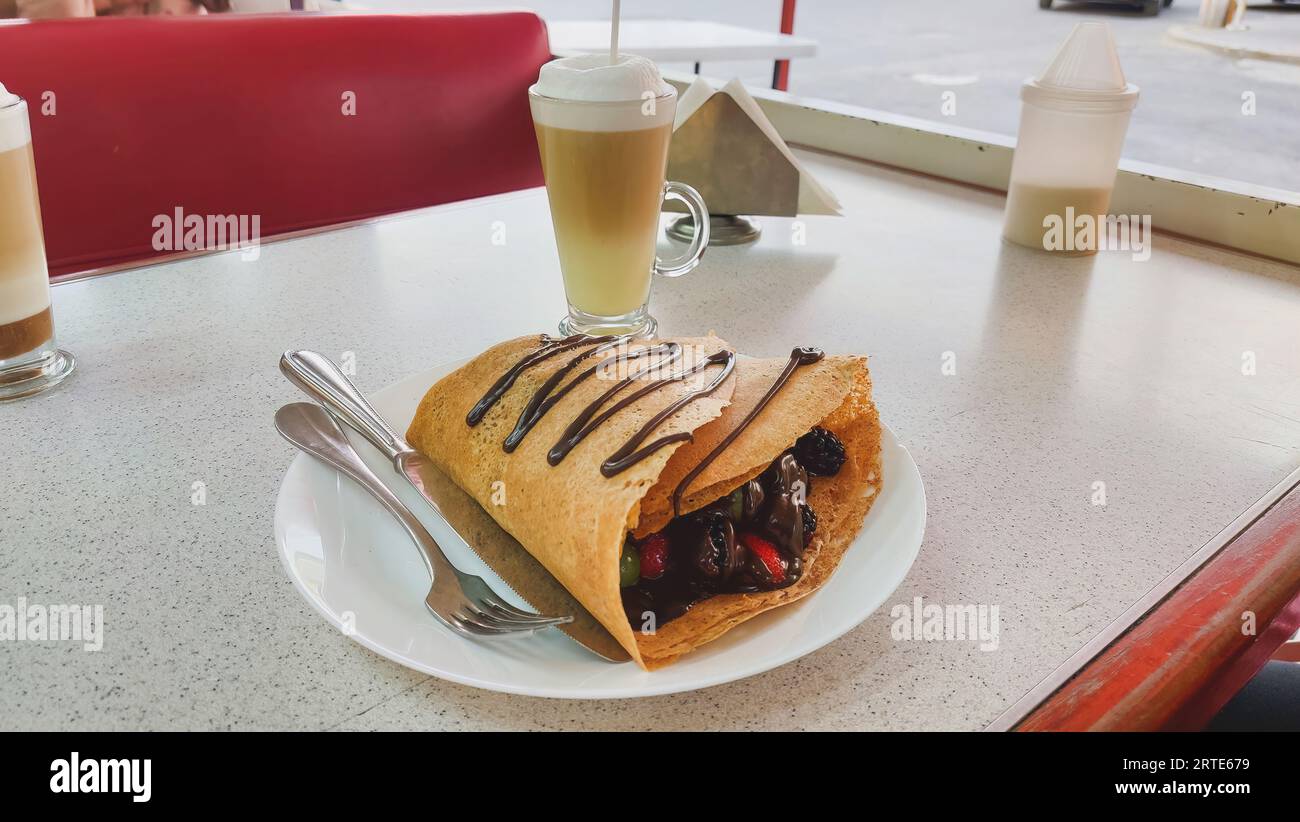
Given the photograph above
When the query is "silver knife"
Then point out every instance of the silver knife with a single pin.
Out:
(324, 382)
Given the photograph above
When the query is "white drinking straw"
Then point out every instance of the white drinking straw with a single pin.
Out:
(613, 36)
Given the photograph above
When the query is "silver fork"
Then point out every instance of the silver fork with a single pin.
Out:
(463, 602)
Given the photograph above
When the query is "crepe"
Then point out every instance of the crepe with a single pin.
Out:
(574, 520)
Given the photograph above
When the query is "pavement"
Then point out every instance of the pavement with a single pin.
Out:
(1260, 38)
(1233, 113)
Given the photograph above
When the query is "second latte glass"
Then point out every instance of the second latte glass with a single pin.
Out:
(604, 164)
(30, 361)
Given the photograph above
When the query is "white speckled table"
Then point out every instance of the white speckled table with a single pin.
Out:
(1067, 373)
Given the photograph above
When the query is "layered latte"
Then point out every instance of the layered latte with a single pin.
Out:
(603, 130)
(25, 320)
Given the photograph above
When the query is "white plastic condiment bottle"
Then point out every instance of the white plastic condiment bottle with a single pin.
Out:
(1073, 119)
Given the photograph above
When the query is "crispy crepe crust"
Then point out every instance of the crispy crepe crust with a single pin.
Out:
(575, 521)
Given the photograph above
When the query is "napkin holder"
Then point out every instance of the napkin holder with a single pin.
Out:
(721, 152)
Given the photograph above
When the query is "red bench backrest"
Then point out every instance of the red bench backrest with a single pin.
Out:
(242, 115)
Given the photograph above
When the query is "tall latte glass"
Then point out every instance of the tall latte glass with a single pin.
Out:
(603, 129)
(29, 360)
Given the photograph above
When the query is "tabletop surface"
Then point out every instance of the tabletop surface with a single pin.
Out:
(1017, 381)
(678, 40)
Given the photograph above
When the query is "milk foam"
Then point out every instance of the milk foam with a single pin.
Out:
(13, 121)
(625, 95)
(592, 78)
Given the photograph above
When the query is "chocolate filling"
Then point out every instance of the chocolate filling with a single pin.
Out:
(751, 540)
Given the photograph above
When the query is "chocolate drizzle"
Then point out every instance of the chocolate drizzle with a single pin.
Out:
(801, 356)
(542, 399)
(550, 347)
(629, 455)
(751, 540)
(550, 392)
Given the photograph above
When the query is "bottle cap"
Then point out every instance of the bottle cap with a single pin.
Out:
(1084, 75)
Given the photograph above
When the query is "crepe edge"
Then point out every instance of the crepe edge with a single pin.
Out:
(452, 387)
(842, 503)
(656, 507)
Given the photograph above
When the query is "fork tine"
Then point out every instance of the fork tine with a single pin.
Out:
(483, 596)
(471, 626)
(535, 622)
(471, 613)
(492, 619)
(486, 625)
(506, 610)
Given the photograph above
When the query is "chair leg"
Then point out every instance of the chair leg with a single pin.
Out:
(781, 72)
(781, 75)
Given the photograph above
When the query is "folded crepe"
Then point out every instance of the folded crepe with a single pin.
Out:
(575, 515)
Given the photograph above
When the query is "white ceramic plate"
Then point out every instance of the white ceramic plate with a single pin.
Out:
(355, 565)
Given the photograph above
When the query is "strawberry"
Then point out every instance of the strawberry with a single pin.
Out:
(767, 554)
(654, 556)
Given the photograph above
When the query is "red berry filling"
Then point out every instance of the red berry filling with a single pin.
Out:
(766, 553)
(654, 556)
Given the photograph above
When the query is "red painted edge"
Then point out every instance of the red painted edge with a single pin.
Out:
(781, 82)
(781, 79)
(1175, 668)
(1207, 702)
(787, 16)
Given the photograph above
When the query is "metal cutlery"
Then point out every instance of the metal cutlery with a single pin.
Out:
(463, 602)
(323, 381)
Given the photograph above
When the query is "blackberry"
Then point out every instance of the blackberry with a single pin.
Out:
(707, 542)
(820, 453)
(809, 520)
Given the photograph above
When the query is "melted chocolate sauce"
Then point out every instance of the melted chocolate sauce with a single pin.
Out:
(780, 518)
(709, 549)
(628, 454)
(712, 555)
(543, 400)
(709, 555)
(549, 393)
(798, 357)
(550, 347)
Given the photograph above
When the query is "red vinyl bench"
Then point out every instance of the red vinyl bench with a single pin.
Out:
(133, 118)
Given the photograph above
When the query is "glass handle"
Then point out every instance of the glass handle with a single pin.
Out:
(700, 214)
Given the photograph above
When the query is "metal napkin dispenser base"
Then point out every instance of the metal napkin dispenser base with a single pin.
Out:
(725, 156)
